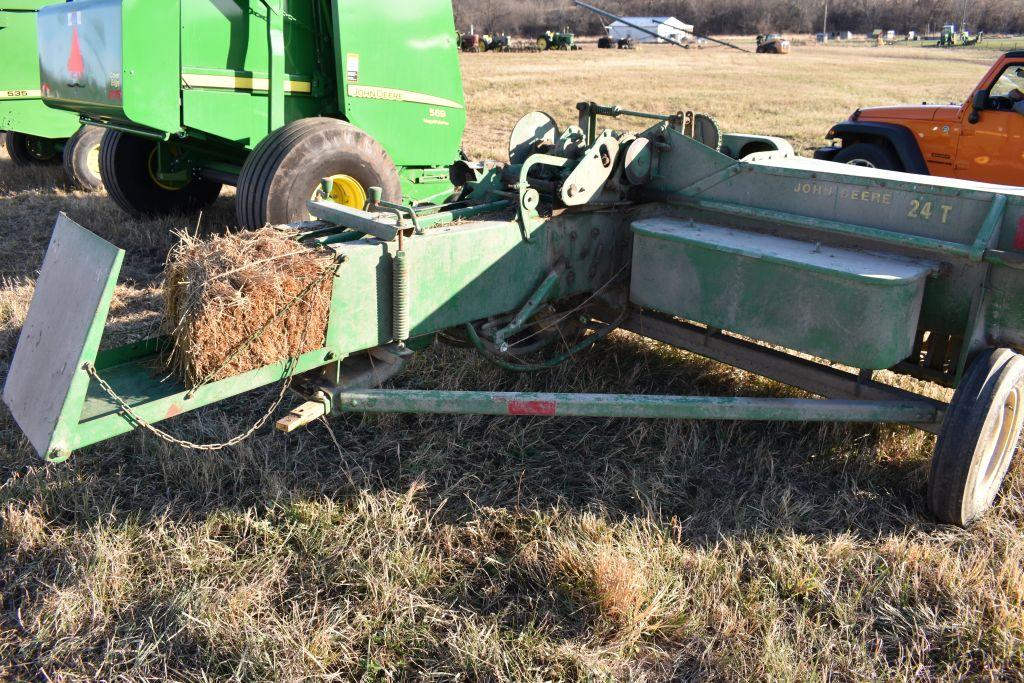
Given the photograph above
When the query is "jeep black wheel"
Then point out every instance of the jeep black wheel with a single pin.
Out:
(869, 155)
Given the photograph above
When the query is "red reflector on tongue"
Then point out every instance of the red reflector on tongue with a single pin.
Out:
(532, 408)
(1018, 239)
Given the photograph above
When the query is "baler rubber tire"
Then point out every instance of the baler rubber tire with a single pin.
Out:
(967, 472)
(879, 156)
(124, 168)
(280, 175)
(17, 149)
(76, 158)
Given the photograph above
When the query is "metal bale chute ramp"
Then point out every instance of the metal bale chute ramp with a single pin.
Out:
(814, 276)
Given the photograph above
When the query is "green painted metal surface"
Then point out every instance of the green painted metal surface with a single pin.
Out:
(47, 383)
(223, 75)
(21, 106)
(900, 214)
(399, 78)
(851, 307)
(625, 405)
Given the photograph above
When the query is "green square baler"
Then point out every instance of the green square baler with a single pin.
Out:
(814, 274)
(268, 95)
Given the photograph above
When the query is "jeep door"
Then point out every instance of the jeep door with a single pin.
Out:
(992, 148)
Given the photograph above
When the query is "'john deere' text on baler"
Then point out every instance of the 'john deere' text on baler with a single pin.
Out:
(268, 95)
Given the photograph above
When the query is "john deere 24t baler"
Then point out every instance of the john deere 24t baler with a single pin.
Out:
(269, 95)
(34, 133)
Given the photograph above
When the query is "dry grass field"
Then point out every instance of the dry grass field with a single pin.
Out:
(468, 548)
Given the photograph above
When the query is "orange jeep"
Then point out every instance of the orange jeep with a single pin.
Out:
(982, 139)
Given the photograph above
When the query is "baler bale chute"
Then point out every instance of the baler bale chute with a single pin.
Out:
(268, 95)
(764, 263)
(33, 133)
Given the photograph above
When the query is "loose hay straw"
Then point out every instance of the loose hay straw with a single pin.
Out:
(220, 292)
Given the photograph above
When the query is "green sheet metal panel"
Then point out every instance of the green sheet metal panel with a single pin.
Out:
(21, 105)
(399, 76)
(469, 272)
(852, 307)
(117, 60)
(224, 66)
(898, 203)
(47, 385)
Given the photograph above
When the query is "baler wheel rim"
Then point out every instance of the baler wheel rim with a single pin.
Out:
(345, 190)
(92, 160)
(170, 186)
(979, 438)
(276, 178)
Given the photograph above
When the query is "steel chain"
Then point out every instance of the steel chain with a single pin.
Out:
(210, 448)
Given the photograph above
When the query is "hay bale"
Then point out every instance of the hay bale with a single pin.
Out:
(220, 292)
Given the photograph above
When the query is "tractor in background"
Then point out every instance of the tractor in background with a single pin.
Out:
(773, 44)
(473, 42)
(553, 40)
(950, 37)
(609, 43)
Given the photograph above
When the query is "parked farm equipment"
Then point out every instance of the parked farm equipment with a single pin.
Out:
(643, 29)
(33, 133)
(471, 42)
(773, 44)
(656, 232)
(201, 94)
(951, 37)
(609, 43)
(555, 40)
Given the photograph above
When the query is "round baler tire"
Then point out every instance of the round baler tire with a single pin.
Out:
(76, 158)
(124, 168)
(870, 155)
(978, 439)
(284, 170)
(18, 151)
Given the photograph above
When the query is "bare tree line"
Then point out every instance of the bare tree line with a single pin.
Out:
(527, 17)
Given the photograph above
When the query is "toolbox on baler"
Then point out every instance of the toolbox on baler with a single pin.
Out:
(855, 307)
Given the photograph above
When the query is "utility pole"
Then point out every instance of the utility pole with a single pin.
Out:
(824, 25)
